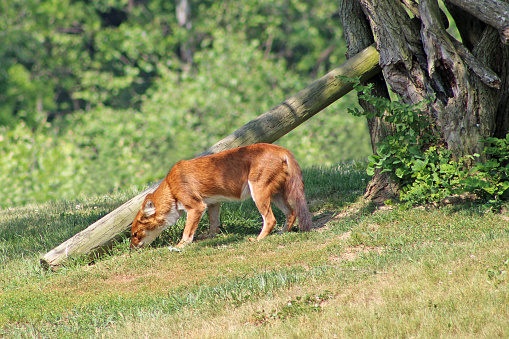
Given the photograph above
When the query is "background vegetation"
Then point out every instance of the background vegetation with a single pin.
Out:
(96, 95)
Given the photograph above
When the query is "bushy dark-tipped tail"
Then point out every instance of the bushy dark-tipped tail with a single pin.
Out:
(296, 196)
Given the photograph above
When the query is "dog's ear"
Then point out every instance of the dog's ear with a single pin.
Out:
(149, 209)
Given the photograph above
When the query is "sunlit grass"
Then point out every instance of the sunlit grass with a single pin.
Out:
(364, 272)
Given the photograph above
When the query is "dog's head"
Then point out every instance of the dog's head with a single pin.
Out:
(151, 220)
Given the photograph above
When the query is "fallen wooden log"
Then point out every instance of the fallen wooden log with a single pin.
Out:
(267, 127)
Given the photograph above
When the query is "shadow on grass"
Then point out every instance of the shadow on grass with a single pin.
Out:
(45, 226)
(38, 228)
(221, 240)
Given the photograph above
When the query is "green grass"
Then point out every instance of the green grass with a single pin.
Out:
(363, 272)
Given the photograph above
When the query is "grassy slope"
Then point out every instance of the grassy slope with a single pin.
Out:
(363, 272)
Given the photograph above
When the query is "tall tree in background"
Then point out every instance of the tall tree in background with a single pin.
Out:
(183, 12)
(466, 82)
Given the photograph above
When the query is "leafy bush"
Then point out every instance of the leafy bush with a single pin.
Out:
(43, 164)
(98, 152)
(442, 176)
(490, 179)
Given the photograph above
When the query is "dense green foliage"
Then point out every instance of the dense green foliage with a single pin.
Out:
(58, 56)
(95, 95)
(441, 175)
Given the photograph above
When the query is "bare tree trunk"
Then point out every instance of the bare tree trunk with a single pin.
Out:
(493, 12)
(465, 82)
(183, 13)
(358, 35)
(484, 43)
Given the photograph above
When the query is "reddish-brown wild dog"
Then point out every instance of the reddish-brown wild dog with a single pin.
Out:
(263, 171)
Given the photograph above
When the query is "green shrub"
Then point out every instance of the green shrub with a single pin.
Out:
(97, 152)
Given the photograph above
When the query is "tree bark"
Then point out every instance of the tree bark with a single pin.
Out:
(183, 14)
(492, 12)
(268, 127)
(420, 61)
(358, 35)
(484, 43)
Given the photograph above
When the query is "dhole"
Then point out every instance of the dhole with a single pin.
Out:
(263, 171)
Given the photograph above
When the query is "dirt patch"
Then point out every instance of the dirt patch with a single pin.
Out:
(123, 278)
(345, 236)
(321, 221)
(351, 253)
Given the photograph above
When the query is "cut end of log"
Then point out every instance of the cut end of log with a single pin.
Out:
(56, 259)
(45, 264)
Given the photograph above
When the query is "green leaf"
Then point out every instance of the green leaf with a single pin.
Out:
(415, 150)
(419, 165)
(373, 158)
(400, 172)
(370, 170)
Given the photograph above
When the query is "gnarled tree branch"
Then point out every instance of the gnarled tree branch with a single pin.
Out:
(492, 12)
